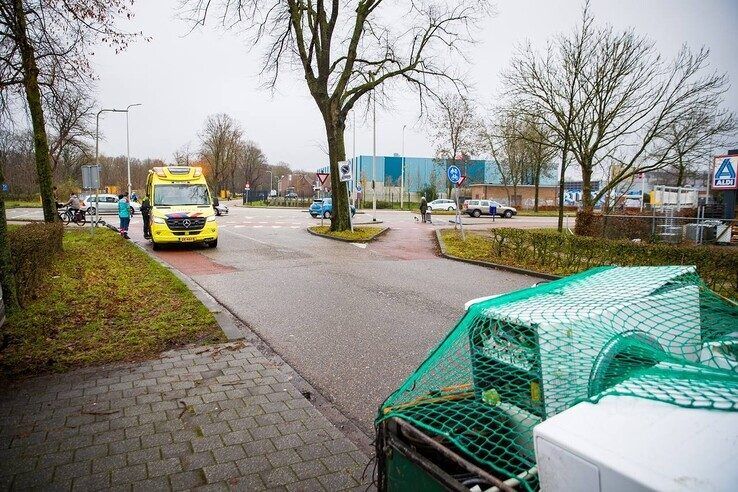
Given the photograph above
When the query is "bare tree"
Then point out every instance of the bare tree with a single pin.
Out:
(346, 50)
(456, 128)
(625, 100)
(71, 119)
(539, 153)
(44, 45)
(220, 145)
(183, 155)
(547, 88)
(251, 163)
(503, 140)
(695, 136)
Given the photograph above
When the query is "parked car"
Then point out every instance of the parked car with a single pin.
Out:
(324, 207)
(106, 204)
(291, 196)
(442, 204)
(476, 208)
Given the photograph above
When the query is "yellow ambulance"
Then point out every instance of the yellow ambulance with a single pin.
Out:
(181, 207)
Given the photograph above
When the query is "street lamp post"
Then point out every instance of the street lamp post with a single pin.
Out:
(374, 151)
(271, 180)
(402, 170)
(97, 155)
(128, 147)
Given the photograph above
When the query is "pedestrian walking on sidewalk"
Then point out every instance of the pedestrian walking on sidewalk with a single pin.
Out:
(423, 207)
(124, 214)
(145, 214)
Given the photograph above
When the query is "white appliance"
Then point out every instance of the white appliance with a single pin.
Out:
(626, 444)
(582, 326)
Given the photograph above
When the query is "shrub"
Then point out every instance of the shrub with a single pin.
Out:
(33, 248)
(588, 224)
(560, 254)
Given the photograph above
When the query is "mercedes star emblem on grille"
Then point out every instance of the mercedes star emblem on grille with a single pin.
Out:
(186, 223)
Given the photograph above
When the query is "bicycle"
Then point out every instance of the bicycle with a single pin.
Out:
(68, 215)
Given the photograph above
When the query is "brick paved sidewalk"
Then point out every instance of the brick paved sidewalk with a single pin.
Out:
(219, 417)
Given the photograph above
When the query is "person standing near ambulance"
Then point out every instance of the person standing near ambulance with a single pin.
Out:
(124, 214)
(145, 215)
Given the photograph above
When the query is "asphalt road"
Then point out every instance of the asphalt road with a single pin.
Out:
(354, 321)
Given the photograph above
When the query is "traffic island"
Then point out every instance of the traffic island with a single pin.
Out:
(475, 250)
(359, 235)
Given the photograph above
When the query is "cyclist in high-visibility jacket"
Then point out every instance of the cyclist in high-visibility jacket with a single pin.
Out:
(124, 214)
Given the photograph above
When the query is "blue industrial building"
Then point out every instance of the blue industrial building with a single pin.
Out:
(420, 171)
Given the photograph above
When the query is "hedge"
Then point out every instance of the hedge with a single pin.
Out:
(562, 254)
(33, 248)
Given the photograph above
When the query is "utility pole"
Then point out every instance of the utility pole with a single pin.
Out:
(353, 160)
(128, 148)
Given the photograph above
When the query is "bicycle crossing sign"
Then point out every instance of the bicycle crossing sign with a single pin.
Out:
(454, 174)
(724, 172)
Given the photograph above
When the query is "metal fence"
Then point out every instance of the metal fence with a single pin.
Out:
(669, 228)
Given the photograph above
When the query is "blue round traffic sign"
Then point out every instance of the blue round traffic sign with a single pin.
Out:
(358, 188)
(454, 174)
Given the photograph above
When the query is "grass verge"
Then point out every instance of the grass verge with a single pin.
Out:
(360, 234)
(550, 252)
(104, 301)
(22, 204)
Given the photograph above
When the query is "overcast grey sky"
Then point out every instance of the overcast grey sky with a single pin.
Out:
(182, 78)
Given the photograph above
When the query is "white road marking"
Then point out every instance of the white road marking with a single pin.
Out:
(247, 237)
(360, 245)
(258, 226)
(239, 226)
(276, 227)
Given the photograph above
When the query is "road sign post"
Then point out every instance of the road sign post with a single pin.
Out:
(454, 176)
(346, 176)
(91, 180)
(321, 177)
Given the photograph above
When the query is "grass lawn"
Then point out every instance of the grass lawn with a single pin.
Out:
(360, 234)
(476, 247)
(22, 204)
(105, 301)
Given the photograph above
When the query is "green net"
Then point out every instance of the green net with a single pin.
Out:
(517, 359)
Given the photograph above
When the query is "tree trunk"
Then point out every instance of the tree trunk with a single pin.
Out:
(536, 183)
(587, 203)
(585, 225)
(7, 279)
(680, 176)
(562, 186)
(33, 96)
(340, 210)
